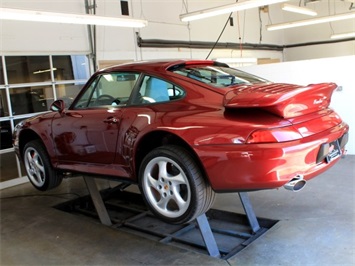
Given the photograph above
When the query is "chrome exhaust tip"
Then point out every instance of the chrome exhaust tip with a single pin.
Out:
(295, 184)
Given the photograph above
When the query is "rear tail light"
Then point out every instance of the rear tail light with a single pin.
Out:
(274, 135)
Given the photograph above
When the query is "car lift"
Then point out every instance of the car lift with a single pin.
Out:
(202, 221)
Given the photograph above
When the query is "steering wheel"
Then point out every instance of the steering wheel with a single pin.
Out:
(104, 99)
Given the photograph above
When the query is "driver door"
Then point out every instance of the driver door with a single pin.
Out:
(86, 135)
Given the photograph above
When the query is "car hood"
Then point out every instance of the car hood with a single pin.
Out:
(285, 100)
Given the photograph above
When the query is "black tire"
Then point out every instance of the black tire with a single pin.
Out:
(38, 167)
(173, 186)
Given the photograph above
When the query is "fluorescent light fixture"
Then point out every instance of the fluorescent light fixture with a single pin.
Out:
(311, 21)
(342, 35)
(298, 9)
(306, 2)
(237, 60)
(44, 71)
(44, 16)
(210, 12)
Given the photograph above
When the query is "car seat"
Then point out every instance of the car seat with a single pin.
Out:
(157, 90)
(195, 74)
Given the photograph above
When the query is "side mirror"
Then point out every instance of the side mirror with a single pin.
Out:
(58, 106)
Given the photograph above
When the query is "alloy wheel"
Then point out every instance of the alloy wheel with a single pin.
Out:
(167, 187)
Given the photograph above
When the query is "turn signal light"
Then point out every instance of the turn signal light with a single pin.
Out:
(282, 134)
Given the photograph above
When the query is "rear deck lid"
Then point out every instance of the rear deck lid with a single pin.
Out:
(285, 100)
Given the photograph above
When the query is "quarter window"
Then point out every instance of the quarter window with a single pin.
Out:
(154, 90)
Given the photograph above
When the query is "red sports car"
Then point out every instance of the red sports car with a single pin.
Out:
(183, 130)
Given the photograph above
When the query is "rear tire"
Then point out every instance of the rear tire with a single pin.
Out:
(173, 185)
(38, 167)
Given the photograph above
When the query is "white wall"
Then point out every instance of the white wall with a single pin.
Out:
(338, 69)
(35, 38)
(164, 23)
(320, 51)
(317, 33)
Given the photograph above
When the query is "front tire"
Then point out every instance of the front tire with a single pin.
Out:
(173, 186)
(38, 167)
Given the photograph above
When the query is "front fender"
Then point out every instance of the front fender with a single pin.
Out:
(38, 127)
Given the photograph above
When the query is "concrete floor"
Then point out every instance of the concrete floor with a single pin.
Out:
(317, 227)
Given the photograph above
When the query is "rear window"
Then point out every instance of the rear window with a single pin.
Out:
(218, 76)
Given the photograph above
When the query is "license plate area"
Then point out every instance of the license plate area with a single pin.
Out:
(329, 152)
(333, 151)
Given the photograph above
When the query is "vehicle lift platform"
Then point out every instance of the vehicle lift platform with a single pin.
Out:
(220, 234)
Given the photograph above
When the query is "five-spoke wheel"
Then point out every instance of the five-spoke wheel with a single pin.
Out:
(173, 186)
(38, 167)
(34, 167)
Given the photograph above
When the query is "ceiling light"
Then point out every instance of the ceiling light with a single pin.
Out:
(311, 21)
(310, 1)
(210, 12)
(342, 35)
(298, 9)
(43, 16)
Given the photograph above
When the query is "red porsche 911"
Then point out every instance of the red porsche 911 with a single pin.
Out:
(184, 130)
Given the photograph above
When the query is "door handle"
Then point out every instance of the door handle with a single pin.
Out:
(111, 120)
(74, 114)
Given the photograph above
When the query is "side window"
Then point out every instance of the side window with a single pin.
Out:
(157, 90)
(108, 89)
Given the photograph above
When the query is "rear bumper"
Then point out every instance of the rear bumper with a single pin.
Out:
(248, 167)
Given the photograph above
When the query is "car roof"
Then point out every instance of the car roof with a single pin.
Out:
(160, 65)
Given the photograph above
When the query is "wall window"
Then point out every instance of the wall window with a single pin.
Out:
(26, 69)
(28, 86)
(62, 68)
(31, 99)
(2, 80)
(67, 92)
(6, 135)
(8, 167)
(4, 109)
(70, 67)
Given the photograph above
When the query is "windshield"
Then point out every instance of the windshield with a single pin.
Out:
(218, 76)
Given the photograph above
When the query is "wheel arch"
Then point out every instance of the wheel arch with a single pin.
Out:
(159, 138)
(26, 136)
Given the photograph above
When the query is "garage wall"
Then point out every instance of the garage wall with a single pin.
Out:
(120, 43)
(339, 70)
(164, 24)
(319, 33)
(249, 26)
(163, 16)
(34, 38)
(320, 51)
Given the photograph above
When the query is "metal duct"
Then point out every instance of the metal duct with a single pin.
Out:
(158, 43)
